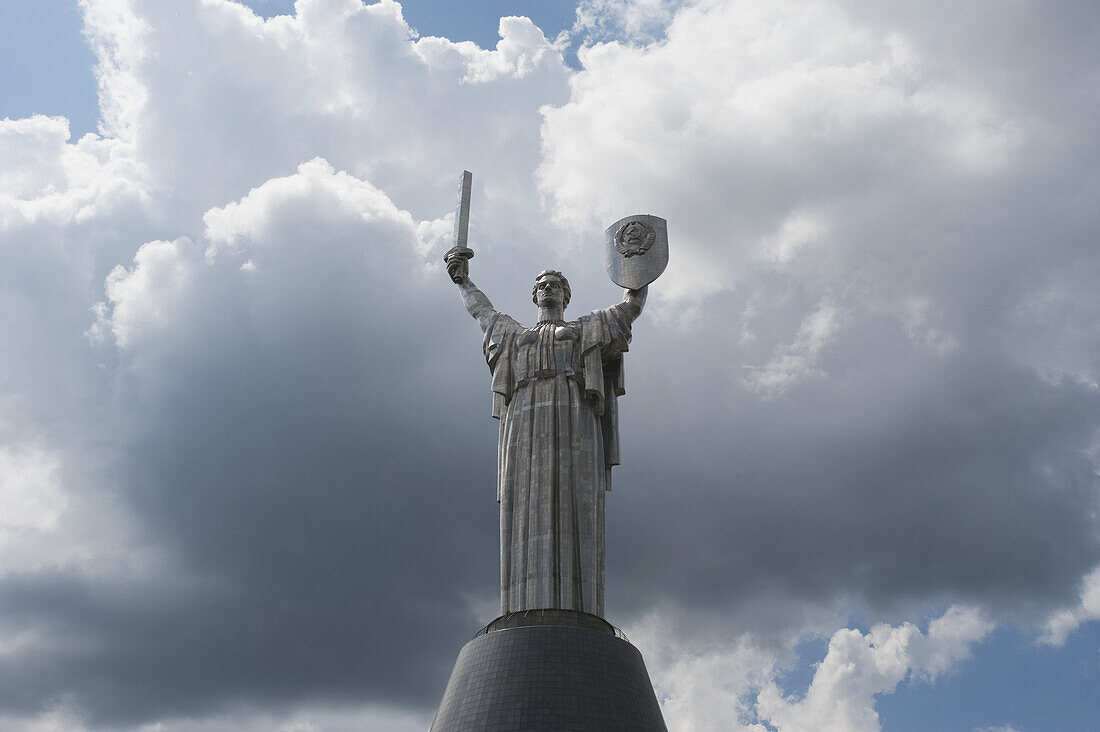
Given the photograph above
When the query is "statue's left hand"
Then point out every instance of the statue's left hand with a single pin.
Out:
(634, 300)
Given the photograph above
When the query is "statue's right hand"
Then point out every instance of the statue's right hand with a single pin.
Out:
(458, 269)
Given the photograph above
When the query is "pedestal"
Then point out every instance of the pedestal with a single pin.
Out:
(552, 671)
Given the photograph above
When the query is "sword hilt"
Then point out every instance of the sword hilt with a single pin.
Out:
(458, 252)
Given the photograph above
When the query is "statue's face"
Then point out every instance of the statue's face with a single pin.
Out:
(549, 292)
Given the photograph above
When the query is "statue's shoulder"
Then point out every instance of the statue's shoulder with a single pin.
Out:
(608, 327)
(503, 323)
(601, 316)
(595, 315)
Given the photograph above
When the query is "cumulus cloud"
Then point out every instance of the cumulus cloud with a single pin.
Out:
(823, 168)
(64, 717)
(338, 79)
(629, 20)
(748, 116)
(220, 304)
(46, 178)
(858, 667)
(118, 35)
(705, 685)
(247, 423)
(1062, 623)
(334, 295)
(737, 684)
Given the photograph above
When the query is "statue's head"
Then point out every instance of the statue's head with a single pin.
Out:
(551, 288)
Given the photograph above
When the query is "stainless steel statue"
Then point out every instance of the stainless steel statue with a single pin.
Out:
(555, 391)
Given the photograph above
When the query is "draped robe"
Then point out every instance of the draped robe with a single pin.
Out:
(555, 390)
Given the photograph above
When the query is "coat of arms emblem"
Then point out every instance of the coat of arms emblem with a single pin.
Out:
(634, 237)
(637, 250)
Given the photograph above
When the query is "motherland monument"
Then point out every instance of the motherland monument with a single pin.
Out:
(551, 661)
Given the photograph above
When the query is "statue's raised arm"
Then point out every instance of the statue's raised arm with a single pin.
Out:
(634, 301)
(459, 256)
(477, 303)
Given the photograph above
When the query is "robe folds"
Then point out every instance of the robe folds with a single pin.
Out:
(555, 392)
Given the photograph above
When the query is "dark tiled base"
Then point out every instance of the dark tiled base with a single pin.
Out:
(553, 678)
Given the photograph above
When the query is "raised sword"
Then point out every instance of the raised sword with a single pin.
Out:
(462, 223)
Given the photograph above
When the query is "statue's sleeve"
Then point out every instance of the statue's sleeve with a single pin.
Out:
(498, 344)
(605, 336)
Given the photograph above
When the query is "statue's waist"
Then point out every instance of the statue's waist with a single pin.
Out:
(523, 380)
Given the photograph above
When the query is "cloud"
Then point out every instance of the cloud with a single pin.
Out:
(730, 123)
(215, 282)
(836, 183)
(1062, 623)
(65, 718)
(339, 79)
(737, 683)
(248, 422)
(29, 484)
(858, 667)
(630, 20)
(46, 179)
(705, 685)
(795, 360)
(249, 482)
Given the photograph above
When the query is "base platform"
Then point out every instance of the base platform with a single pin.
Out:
(552, 671)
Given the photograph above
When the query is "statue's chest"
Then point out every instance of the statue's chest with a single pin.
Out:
(546, 350)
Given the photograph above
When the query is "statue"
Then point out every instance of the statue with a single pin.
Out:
(551, 661)
(555, 391)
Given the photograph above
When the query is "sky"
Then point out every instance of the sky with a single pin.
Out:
(246, 452)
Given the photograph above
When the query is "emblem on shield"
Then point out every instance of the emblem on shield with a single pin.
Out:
(637, 250)
(634, 237)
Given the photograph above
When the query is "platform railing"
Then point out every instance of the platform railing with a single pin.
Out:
(547, 616)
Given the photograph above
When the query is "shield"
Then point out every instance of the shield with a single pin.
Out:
(637, 250)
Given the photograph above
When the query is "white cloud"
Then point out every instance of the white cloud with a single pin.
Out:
(630, 20)
(49, 521)
(948, 641)
(1062, 623)
(65, 717)
(45, 178)
(144, 296)
(262, 216)
(726, 126)
(118, 35)
(339, 79)
(736, 683)
(316, 236)
(859, 667)
(795, 361)
(800, 229)
(521, 50)
(706, 685)
(252, 217)
(30, 497)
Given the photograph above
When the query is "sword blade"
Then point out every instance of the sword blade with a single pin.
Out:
(462, 212)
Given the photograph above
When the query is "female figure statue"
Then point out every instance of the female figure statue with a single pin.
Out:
(555, 390)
